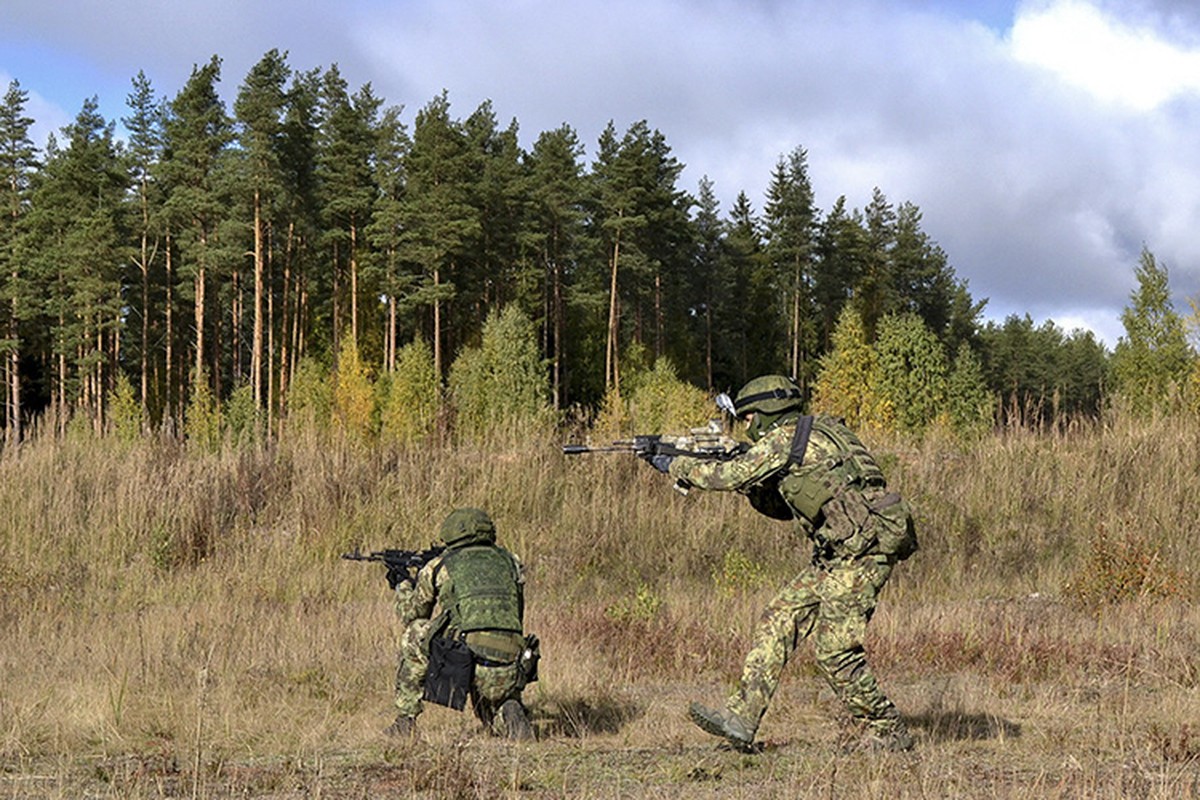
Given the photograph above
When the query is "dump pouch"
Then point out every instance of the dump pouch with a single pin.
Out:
(894, 529)
(451, 670)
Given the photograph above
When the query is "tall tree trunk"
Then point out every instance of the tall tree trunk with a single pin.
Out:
(708, 344)
(801, 379)
(199, 321)
(269, 279)
(145, 268)
(285, 336)
(168, 404)
(389, 334)
(14, 373)
(437, 325)
(658, 315)
(236, 324)
(354, 282)
(337, 307)
(610, 347)
(257, 343)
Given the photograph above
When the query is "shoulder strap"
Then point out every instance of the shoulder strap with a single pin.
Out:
(800, 440)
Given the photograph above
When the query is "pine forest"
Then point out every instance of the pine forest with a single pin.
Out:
(221, 257)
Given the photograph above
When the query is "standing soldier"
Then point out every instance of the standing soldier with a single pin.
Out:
(475, 646)
(814, 470)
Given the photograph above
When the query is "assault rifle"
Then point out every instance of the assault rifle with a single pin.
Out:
(402, 565)
(707, 443)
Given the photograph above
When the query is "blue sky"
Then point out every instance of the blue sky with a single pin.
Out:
(1045, 141)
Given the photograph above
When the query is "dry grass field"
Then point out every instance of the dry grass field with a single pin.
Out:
(177, 623)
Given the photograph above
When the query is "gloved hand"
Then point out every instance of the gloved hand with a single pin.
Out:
(662, 463)
(397, 575)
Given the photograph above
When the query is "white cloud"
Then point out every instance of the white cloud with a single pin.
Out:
(1113, 60)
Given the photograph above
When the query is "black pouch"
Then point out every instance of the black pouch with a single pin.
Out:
(451, 669)
(530, 656)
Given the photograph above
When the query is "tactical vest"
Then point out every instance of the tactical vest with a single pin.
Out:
(484, 592)
(809, 484)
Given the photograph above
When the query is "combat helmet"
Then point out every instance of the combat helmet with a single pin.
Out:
(770, 398)
(467, 526)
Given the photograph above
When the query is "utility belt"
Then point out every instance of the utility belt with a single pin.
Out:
(453, 659)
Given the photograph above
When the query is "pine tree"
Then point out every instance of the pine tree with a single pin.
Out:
(849, 383)
(874, 294)
(498, 270)
(260, 111)
(1153, 359)
(617, 219)
(439, 221)
(791, 223)
(384, 232)
(752, 329)
(144, 124)
(840, 260)
(76, 248)
(347, 185)
(17, 167)
(640, 215)
(303, 321)
(557, 235)
(707, 273)
(913, 371)
(197, 133)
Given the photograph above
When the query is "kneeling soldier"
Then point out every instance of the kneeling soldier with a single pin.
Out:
(475, 646)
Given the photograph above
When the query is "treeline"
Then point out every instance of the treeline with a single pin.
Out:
(219, 251)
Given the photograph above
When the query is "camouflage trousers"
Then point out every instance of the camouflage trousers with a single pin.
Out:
(491, 686)
(833, 604)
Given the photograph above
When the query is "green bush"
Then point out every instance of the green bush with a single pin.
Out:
(202, 418)
(124, 413)
(410, 405)
(310, 396)
(503, 381)
(353, 393)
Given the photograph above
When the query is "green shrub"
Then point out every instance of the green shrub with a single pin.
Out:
(124, 413)
(202, 418)
(503, 381)
(310, 396)
(410, 405)
(353, 393)
(243, 419)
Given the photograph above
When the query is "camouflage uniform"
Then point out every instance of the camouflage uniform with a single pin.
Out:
(858, 531)
(498, 677)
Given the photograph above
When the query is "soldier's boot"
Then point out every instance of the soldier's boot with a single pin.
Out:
(729, 726)
(403, 727)
(515, 721)
(884, 736)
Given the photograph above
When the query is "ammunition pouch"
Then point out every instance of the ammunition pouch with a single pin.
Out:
(451, 671)
(806, 495)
